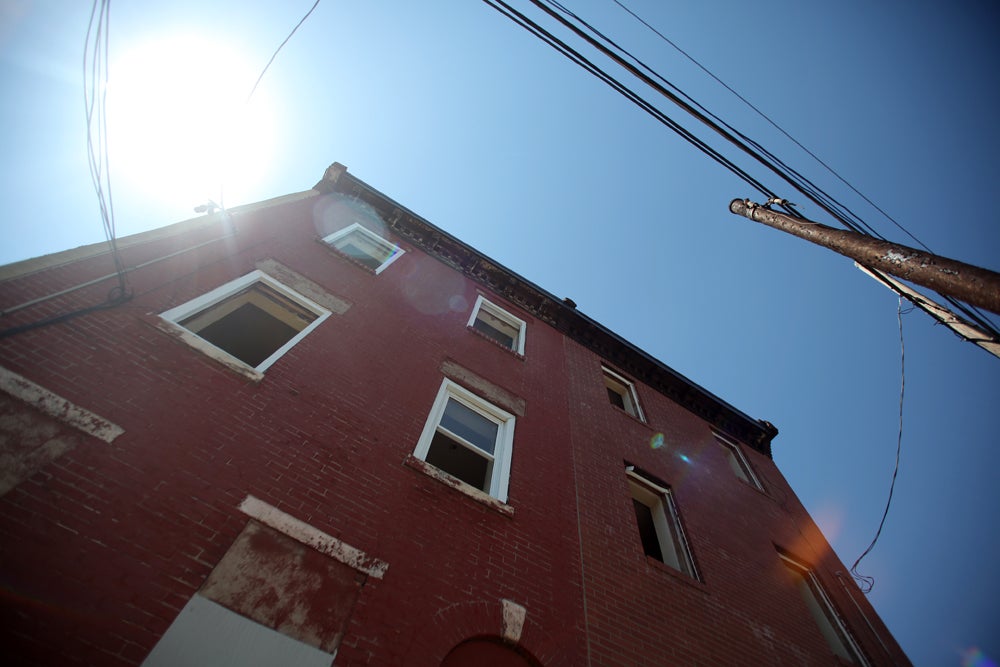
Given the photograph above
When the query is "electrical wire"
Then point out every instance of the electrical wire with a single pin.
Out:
(519, 18)
(619, 55)
(774, 124)
(974, 314)
(95, 89)
(277, 50)
(222, 185)
(866, 583)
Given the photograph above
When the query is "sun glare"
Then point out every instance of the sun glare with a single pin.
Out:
(179, 128)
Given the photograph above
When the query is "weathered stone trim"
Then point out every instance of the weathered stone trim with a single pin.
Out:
(478, 495)
(486, 389)
(313, 537)
(304, 286)
(209, 350)
(564, 318)
(56, 406)
(513, 620)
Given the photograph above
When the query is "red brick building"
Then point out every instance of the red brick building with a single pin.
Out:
(322, 429)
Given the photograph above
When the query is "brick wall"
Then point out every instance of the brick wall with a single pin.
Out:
(102, 547)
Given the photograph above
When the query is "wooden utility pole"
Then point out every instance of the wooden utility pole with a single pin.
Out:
(972, 284)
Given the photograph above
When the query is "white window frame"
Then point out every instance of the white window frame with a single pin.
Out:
(831, 626)
(219, 294)
(738, 462)
(395, 252)
(627, 392)
(500, 478)
(674, 545)
(483, 304)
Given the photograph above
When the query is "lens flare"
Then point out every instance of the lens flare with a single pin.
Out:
(973, 657)
(656, 441)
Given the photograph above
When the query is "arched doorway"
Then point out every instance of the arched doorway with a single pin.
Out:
(487, 652)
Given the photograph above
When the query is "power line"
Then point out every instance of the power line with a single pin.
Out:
(277, 50)
(629, 94)
(867, 582)
(95, 89)
(222, 186)
(619, 55)
(974, 314)
(774, 124)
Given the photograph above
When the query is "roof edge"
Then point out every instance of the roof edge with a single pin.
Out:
(25, 267)
(558, 313)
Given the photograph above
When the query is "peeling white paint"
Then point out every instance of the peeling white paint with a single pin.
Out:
(313, 537)
(513, 620)
(56, 406)
(476, 494)
(209, 350)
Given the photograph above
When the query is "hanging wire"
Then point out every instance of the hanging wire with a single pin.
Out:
(222, 185)
(774, 124)
(95, 90)
(843, 214)
(866, 583)
(519, 18)
(621, 56)
(277, 50)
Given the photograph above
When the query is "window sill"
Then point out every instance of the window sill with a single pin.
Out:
(630, 416)
(754, 487)
(206, 348)
(460, 486)
(653, 564)
(514, 353)
(347, 258)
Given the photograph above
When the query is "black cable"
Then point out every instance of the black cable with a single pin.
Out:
(866, 583)
(776, 126)
(506, 10)
(115, 298)
(838, 210)
(280, 46)
(822, 199)
(222, 186)
(95, 87)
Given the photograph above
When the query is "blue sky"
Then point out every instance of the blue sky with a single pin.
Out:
(467, 120)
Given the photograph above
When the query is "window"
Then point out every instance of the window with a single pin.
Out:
(499, 325)
(659, 525)
(622, 394)
(816, 599)
(469, 439)
(364, 246)
(737, 461)
(253, 318)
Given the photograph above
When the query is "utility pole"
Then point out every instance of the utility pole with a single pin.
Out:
(974, 285)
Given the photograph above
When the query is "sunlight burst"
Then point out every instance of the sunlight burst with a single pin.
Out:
(178, 123)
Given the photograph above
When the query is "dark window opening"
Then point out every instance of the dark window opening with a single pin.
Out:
(647, 530)
(616, 398)
(459, 461)
(252, 324)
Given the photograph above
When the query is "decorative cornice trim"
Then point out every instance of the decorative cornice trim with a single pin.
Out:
(555, 312)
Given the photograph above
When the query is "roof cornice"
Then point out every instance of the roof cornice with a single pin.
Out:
(558, 313)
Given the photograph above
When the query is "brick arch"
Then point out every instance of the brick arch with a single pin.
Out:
(488, 652)
(457, 622)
